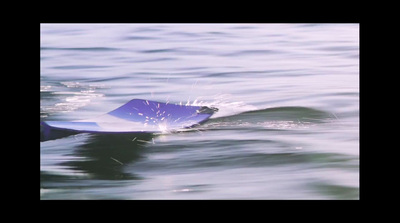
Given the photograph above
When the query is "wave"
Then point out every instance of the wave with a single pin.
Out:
(286, 113)
(93, 49)
(271, 118)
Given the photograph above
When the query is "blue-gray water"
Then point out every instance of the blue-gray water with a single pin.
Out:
(287, 125)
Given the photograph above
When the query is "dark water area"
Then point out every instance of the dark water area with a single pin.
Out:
(287, 125)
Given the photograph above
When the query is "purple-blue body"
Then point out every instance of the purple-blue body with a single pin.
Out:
(136, 116)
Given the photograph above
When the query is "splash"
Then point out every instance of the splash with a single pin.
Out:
(75, 95)
(225, 106)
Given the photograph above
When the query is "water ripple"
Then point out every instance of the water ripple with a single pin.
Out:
(90, 49)
(287, 125)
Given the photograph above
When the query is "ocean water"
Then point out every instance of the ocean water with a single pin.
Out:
(287, 125)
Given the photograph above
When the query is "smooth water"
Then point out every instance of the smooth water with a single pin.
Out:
(287, 125)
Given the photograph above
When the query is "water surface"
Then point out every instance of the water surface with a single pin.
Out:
(287, 125)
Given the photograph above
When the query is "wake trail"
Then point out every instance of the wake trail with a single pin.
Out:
(238, 114)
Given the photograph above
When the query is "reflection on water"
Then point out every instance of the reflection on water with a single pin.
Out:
(102, 159)
(104, 156)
